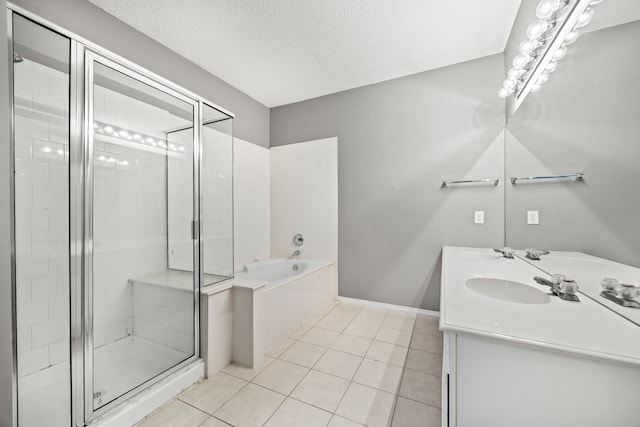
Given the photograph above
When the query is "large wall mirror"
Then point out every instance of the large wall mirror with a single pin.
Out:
(586, 119)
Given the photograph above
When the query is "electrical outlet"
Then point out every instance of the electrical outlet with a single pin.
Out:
(533, 218)
(478, 217)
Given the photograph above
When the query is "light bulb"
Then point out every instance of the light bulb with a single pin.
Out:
(521, 60)
(108, 129)
(150, 140)
(551, 67)
(509, 84)
(46, 149)
(560, 53)
(537, 29)
(542, 79)
(528, 46)
(585, 18)
(136, 136)
(96, 126)
(571, 37)
(515, 73)
(123, 133)
(546, 8)
(536, 88)
(503, 93)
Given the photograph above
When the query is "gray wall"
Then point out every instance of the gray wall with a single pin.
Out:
(94, 24)
(397, 140)
(585, 118)
(6, 403)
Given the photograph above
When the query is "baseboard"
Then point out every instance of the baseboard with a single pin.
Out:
(390, 306)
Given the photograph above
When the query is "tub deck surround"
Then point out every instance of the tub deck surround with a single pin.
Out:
(588, 271)
(278, 271)
(578, 328)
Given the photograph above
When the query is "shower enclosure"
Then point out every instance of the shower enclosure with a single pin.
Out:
(123, 202)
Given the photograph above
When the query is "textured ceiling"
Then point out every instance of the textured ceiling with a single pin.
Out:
(284, 51)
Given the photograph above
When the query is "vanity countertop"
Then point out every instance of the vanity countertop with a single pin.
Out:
(588, 271)
(586, 327)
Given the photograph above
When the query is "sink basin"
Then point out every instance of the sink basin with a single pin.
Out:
(507, 290)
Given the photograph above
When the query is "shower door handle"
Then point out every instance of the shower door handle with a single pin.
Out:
(194, 230)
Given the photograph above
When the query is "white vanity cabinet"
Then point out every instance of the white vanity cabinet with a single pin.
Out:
(513, 364)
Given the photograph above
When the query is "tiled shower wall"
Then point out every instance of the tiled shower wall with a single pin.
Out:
(42, 212)
(130, 226)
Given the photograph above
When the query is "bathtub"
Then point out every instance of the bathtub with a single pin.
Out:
(295, 290)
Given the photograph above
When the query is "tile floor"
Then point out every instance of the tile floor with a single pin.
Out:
(353, 365)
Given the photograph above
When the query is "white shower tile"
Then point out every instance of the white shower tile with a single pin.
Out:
(33, 360)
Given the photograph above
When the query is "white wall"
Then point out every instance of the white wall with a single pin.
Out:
(251, 202)
(304, 199)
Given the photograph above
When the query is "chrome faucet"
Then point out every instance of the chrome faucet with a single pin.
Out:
(535, 254)
(506, 252)
(295, 253)
(561, 287)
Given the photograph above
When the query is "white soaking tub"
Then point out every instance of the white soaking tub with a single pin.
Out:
(295, 291)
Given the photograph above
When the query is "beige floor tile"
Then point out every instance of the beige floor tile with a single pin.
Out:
(293, 413)
(252, 407)
(177, 414)
(245, 373)
(212, 393)
(349, 307)
(367, 405)
(337, 363)
(421, 387)
(394, 336)
(337, 421)
(333, 324)
(410, 413)
(352, 344)
(313, 319)
(278, 348)
(214, 422)
(303, 354)
(427, 343)
(387, 353)
(362, 329)
(427, 325)
(425, 362)
(379, 375)
(298, 332)
(319, 336)
(371, 316)
(281, 376)
(322, 390)
(402, 322)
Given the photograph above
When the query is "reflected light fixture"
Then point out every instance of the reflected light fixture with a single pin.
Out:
(555, 28)
(136, 138)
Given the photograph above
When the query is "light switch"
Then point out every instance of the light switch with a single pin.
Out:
(478, 217)
(533, 218)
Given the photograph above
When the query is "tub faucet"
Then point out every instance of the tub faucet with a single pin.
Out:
(295, 253)
(506, 252)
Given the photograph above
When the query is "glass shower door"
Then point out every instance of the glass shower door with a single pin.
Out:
(41, 70)
(140, 211)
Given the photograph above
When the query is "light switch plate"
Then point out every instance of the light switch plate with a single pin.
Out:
(478, 217)
(533, 218)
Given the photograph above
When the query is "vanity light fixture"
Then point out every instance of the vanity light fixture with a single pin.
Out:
(555, 28)
(131, 137)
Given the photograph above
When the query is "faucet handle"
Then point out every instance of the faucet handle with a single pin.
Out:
(506, 252)
(535, 254)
